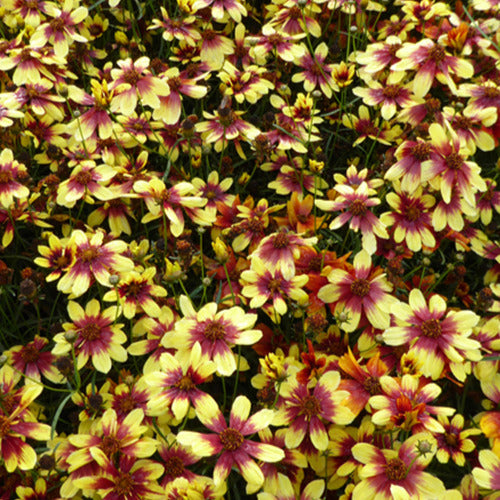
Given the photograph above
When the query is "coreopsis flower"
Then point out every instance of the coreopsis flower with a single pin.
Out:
(355, 204)
(167, 202)
(11, 171)
(61, 30)
(454, 442)
(175, 386)
(404, 404)
(485, 94)
(410, 156)
(216, 331)
(365, 127)
(488, 201)
(343, 74)
(397, 473)
(305, 410)
(176, 458)
(280, 250)
(129, 478)
(117, 211)
(361, 292)
(95, 336)
(379, 55)
(224, 127)
(451, 215)
(136, 292)
(128, 396)
(272, 288)
(448, 166)
(18, 423)
(92, 259)
(31, 360)
(132, 81)
(488, 475)
(431, 61)
(57, 256)
(30, 12)
(181, 28)
(86, 181)
(388, 94)
(316, 73)
(437, 336)
(285, 47)
(363, 381)
(231, 442)
(219, 8)
(410, 218)
(9, 109)
(42, 129)
(300, 216)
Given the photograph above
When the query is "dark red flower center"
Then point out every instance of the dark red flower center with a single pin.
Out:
(437, 54)
(462, 122)
(391, 91)
(451, 439)
(185, 383)
(413, 213)
(174, 467)
(357, 207)
(134, 289)
(131, 76)
(126, 404)
(89, 254)
(274, 285)
(57, 24)
(421, 151)
(395, 469)
(30, 354)
(4, 426)
(431, 328)
(110, 445)
(6, 177)
(83, 178)
(214, 331)
(454, 161)
(310, 406)
(491, 92)
(360, 287)
(281, 240)
(91, 332)
(124, 484)
(432, 104)
(231, 439)
(372, 385)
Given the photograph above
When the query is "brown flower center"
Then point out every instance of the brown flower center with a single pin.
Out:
(134, 288)
(231, 439)
(124, 485)
(491, 92)
(110, 445)
(90, 332)
(131, 76)
(126, 403)
(30, 354)
(462, 122)
(310, 406)
(437, 54)
(451, 439)
(4, 426)
(57, 24)
(431, 328)
(174, 467)
(281, 240)
(6, 177)
(83, 178)
(391, 91)
(185, 383)
(274, 285)
(214, 331)
(395, 469)
(432, 104)
(372, 385)
(360, 287)
(89, 254)
(454, 161)
(421, 151)
(357, 207)
(275, 39)
(174, 83)
(413, 213)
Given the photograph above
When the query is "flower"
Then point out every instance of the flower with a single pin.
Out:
(231, 442)
(488, 475)
(175, 386)
(362, 292)
(437, 336)
(389, 473)
(97, 336)
(304, 410)
(216, 331)
(10, 172)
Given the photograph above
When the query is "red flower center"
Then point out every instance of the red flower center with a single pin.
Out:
(357, 207)
(174, 467)
(431, 328)
(451, 439)
(421, 151)
(395, 469)
(88, 254)
(134, 289)
(437, 54)
(126, 404)
(110, 445)
(6, 177)
(30, 354)
(491, 92)
(83, 178)
(231, 439)
(462, 122)
(454, 161)
(413, 213)
(310, 406)
(275, 39)
(4, 426)
(57, 24)
(131, 76)
(360, 287)
(214, 331)
(124, 484)
(185, 383)
(281, 240)
(91, 332)
(391, 91)
(372, 385)
(274, 285)
(174, 83)
(432, 104)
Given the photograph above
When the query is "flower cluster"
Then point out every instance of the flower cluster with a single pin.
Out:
(249, 249)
